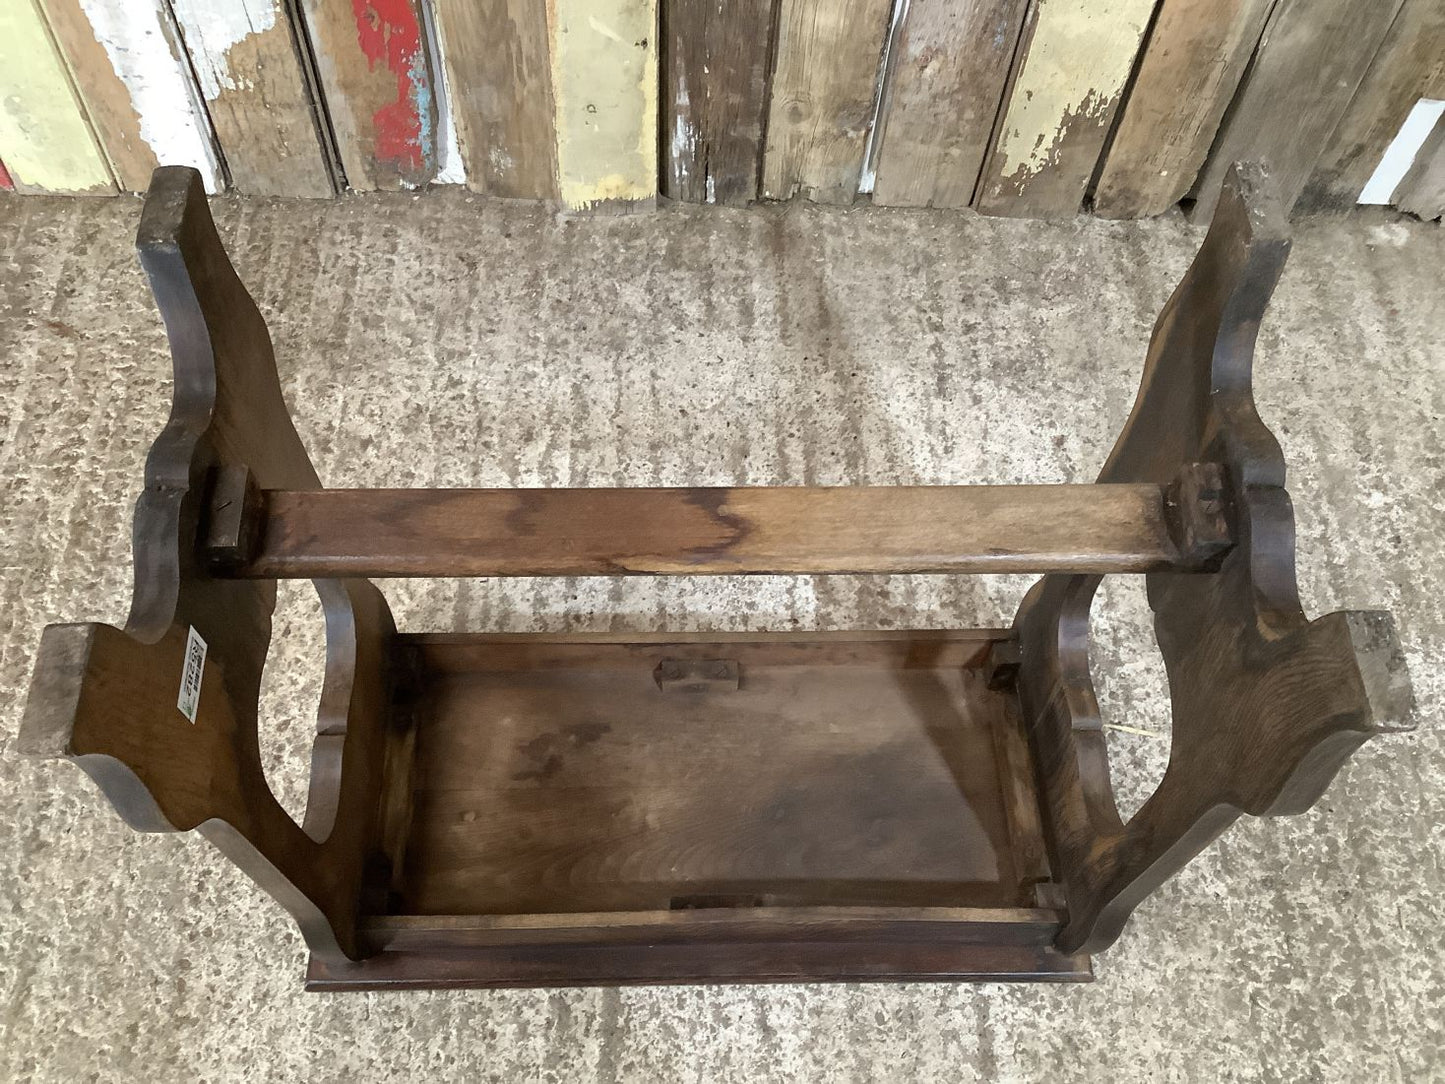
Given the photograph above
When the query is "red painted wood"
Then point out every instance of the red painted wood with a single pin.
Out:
(390, 34)
(5, 181)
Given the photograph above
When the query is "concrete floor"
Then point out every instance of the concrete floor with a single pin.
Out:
(443, 341)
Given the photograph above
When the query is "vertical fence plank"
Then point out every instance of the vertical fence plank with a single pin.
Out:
(130, 72)
(256, 91)
(1422, 192)
(715, 96)
(500, 82)
(1310, 62)
(950, 65)
(604, 78)
(44, 133)
(1068, 82)
(825, 83)
(375, 74)
(1409, 65)
(1192, 65)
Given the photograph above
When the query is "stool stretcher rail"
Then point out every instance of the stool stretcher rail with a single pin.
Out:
(606, 532)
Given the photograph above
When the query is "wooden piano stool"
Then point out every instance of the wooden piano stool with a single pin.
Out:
(528, 810)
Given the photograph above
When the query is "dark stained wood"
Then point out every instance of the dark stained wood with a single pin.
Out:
(947, 74)
(505, 810)
(1193, 61)
(107, 698)
(778, 961)
(1267, 704)
(496, 52)
(715, 97)
(997, 926)
(1310, 61)
(825, 775)
(1410, 65)
(593, 532)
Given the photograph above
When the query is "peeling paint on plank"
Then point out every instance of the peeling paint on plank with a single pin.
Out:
(1066, 89)
(604, 75)
(375, 70)
(46, 137)
(137, 87)
(257, 95)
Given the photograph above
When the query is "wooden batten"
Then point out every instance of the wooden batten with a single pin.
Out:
(949, 67)
(604, 85)
(45, 133)
(1310, 61)
(500, 89)
(1068, 83)
(1195, 57)
(715, 98)
(377, 79)
(256, 89)
(825, 83)
(1410, 65)
(130, 70)
(1422, 191)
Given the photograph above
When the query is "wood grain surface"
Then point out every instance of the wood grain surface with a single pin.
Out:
(946, 81)
(565, 532)
(1310, 62)
(45, 132)
(715, 87)
(1196, 55)
(258, 94)
(825, 83)
(1409, 65)
(500, 85)
(1069, 79)
(126, 60)
(376, 76)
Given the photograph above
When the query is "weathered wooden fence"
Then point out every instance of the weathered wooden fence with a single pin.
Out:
(1035, 108)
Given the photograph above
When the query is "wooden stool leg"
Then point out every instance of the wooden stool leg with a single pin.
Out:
(163, 714)
(1267, 704)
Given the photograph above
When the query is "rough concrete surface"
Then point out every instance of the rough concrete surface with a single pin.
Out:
(443, 341)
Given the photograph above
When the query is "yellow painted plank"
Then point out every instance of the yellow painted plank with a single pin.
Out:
(45, 135)
(1067, 86)
(604, 78)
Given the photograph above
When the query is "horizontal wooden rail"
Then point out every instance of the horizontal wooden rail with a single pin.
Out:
(601, 532)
